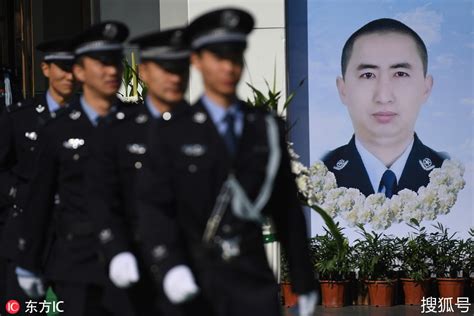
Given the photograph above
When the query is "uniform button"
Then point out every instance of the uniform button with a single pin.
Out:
(154, 269)
(226, 228)
(21, 243)
(120, 115)
(138, 165)
(32, 148)
(192, 168)
(167, 116)
(69, 236)
(75, 157)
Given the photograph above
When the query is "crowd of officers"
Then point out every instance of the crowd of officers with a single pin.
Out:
(152, 208)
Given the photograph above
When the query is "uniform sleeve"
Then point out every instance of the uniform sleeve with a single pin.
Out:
(39, 211)
(104, 199)
(7, 158)
(156, 205)
(289, 219)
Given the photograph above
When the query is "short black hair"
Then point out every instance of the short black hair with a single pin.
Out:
(384, 25)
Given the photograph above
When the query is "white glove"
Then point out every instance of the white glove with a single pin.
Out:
(31, 284)
(123, 270)
(179, 284)
(307, 303)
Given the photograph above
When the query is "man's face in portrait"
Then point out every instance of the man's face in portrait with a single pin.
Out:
(384, 86)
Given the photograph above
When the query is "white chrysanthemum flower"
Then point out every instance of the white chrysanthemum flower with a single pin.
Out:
(297, 167)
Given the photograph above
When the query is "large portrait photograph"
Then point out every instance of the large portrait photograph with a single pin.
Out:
(391, 114)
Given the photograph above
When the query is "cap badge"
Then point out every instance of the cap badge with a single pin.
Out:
(230, 19)
(110, 31)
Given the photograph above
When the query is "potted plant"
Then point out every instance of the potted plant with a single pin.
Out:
(470, 261)
(449, 261)
(416, 258)
(333, 263)
(289, 298)
(376, 259)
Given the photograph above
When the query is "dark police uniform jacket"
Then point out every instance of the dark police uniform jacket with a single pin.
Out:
(420, 162)
(187, 165)
(20, 127)
(60, 173)
(111, 177)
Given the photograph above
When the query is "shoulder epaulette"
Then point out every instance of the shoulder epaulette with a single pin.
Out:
(20, 105)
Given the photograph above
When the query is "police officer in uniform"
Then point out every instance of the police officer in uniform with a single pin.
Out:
(211, 175)
(384, 83)
(164, 69)
(20, 126)
(73, 264)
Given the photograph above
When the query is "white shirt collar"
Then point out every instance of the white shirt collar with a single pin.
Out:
(375, 168)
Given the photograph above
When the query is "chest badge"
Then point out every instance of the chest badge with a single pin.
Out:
(73, 143)
(141, 119)
(193, 150)
(137, 149)
(75, 115)
(31, 135)
(40, 108)
(341, 164)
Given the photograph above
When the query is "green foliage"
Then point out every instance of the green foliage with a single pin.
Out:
(451, 253)
(52, 298)
(469, 269)
(330, 259)
(376, 255)
(128, 81)
(416, 253)
(271, 98)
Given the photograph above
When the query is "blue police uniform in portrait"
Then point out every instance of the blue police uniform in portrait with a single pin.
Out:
(354, 167)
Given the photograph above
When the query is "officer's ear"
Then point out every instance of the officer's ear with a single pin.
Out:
(45, 69)
(78, 71)
(341, 88)
(428, 87)
(196, 59)
(142, 71)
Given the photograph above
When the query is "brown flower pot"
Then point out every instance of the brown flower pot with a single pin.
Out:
(333, 293)
(451, 287)
(360, 293)
(415, 290)
(290, 299)
(381, 292)
(472, 288)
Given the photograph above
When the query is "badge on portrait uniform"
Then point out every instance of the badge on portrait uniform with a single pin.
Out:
(426, 164)
(341, 164)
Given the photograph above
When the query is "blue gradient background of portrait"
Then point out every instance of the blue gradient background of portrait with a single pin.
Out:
(446, 121)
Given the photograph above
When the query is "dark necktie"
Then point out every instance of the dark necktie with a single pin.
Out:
(102, 120)
(389, 182)
(230, 138)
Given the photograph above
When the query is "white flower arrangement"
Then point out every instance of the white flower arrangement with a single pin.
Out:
(318, 187)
